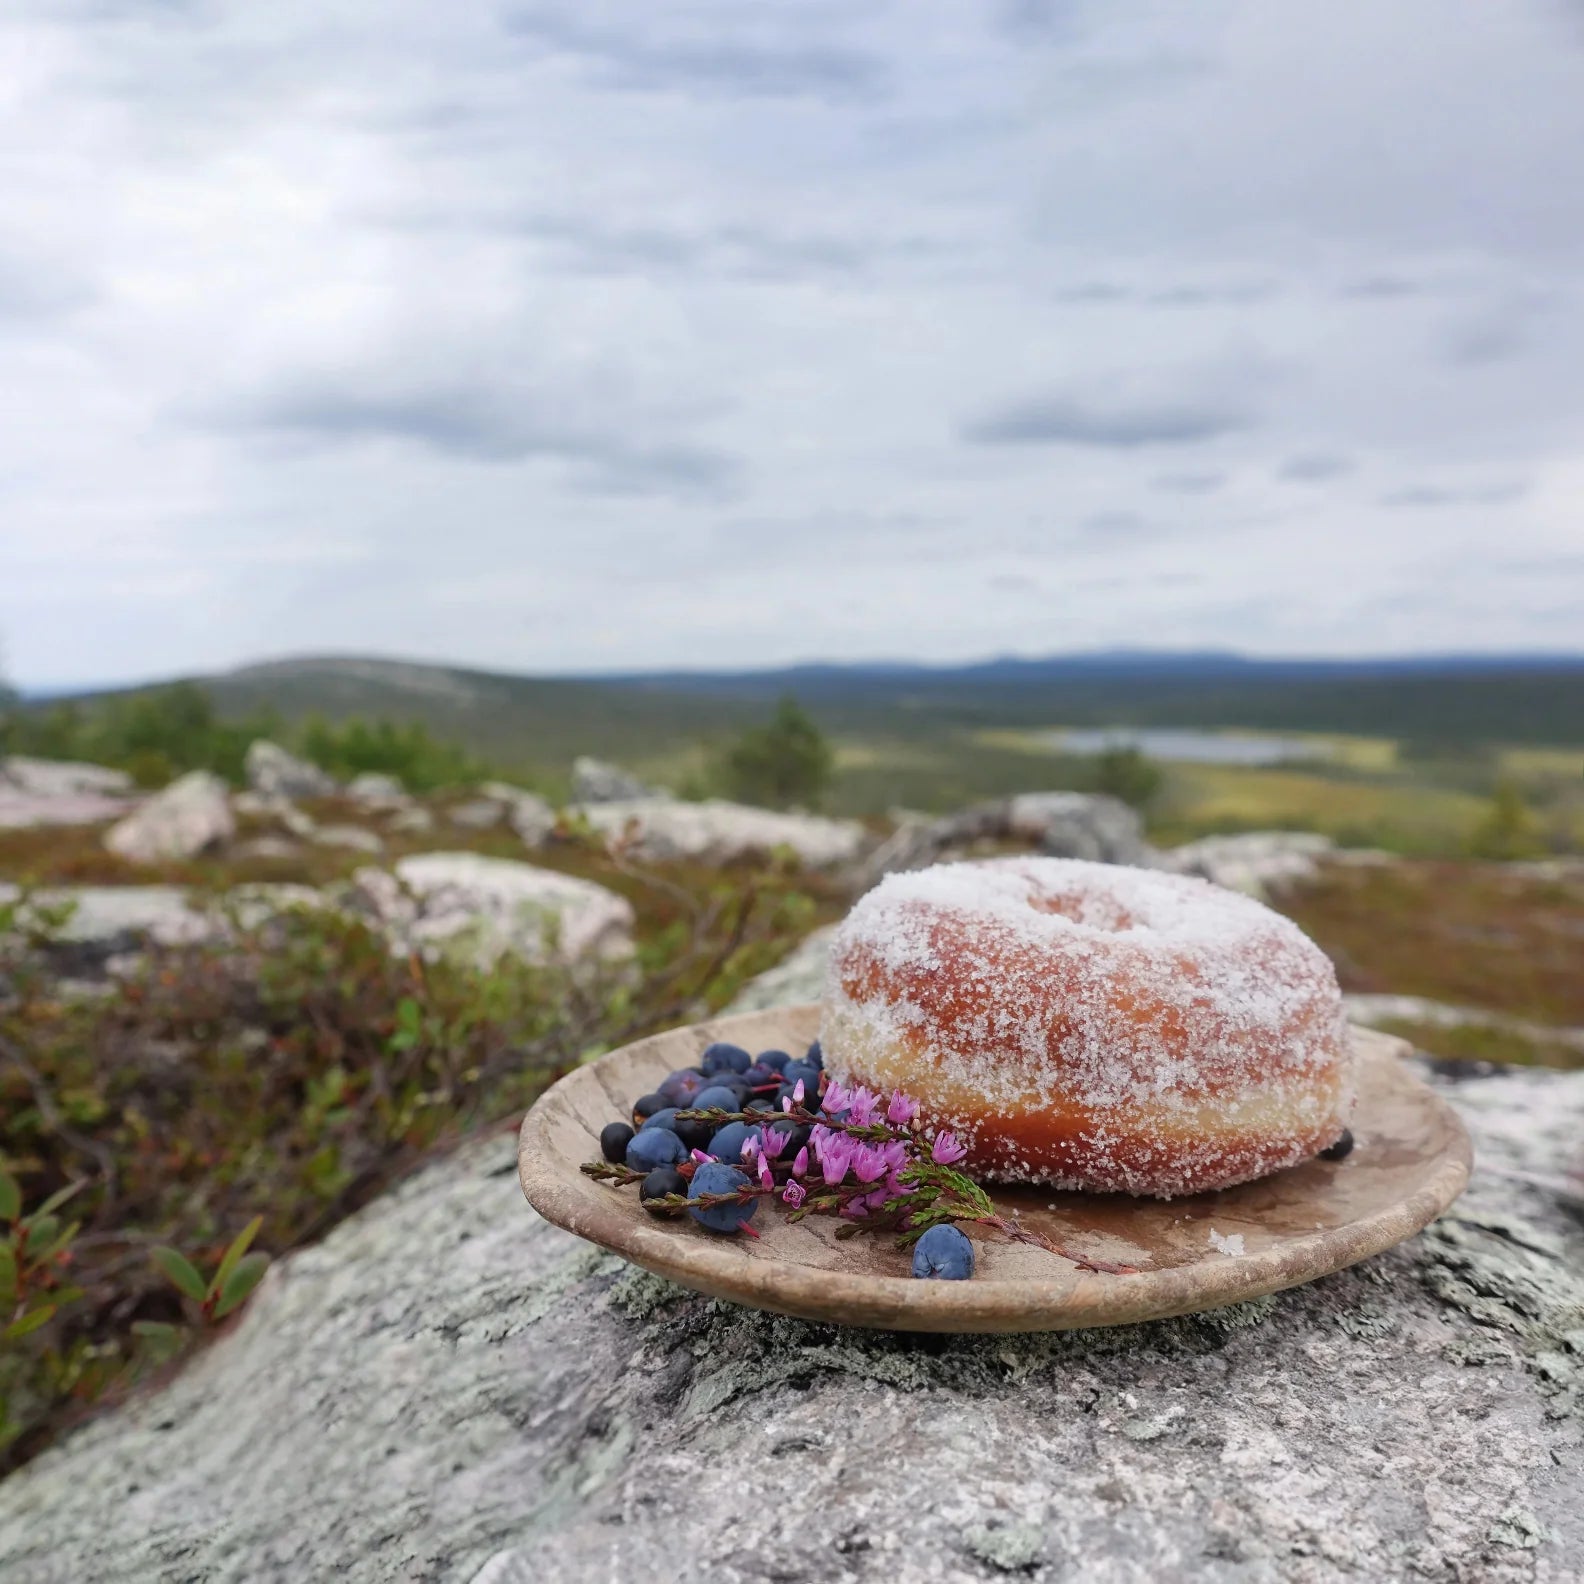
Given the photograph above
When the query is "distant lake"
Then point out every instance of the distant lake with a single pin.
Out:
(1194, 747)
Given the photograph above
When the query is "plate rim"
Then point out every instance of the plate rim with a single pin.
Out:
(723, 1268)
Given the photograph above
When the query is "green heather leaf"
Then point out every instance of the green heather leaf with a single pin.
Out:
(41, 1231)
(28, 1322)
(10, 1197)
(8, 1273)
(179, 1269)
(239, 1247)
(247, 1275)
(57, 1199)
(62, 1238)
(155, 1328)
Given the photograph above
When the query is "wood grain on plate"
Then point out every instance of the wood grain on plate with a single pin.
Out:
(1411, 1161)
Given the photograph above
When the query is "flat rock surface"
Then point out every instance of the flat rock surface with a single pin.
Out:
(448, 1385)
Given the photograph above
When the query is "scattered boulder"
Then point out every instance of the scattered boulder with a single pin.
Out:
(663, 829)
(527, 813)
(191, 816)
(413, 821)
(487, 907)
(594, 781)
(449, 1388)
(274, 848)
(379, 794)
(1254, 862)
(37, 792)
(798, 978)
(101, 921)
(1063, 824)
(477, 814)
(350, 836)
(273, 772)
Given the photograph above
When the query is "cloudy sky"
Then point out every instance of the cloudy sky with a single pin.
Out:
(572, 334)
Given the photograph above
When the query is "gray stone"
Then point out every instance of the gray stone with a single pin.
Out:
(191, 816)
(273, 848)
(594, 781)
(39, 792)
(379, 794)
(414, 821)
(353, 837)
(449, 1388)
(798, 978)
(657, 830)
(91, 923)
(273, 772)
(477, 814)
(527, 813)
(1063, 824)
(1255, 862)
(482, 907)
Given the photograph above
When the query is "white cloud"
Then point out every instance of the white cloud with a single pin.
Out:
(538, 336)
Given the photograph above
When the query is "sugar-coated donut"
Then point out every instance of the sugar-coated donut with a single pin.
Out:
(1091, 1026)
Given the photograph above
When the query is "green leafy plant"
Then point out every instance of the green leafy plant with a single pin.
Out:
(234, 1278)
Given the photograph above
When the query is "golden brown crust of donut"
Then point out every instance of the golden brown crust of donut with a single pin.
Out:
(1093, 1027)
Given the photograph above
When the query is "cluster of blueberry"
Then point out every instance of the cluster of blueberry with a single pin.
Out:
(715, 1138)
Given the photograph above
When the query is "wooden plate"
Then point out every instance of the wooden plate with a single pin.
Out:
(1411, 1161)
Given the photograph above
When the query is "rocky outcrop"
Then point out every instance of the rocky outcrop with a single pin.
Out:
(447, 902)
(35, 792)
(658, 830)
(352, 837)
(190, 817)
(1063, 824)
(379, 794)
(448, 1388)
(594, 781)
(1254, 862)
(527, 813)
(273, 772)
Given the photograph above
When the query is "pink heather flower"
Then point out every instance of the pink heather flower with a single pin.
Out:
(701, 1157)
(772, 1142)
(894, 1153)
(835, 1153)
(865, 1105)
(837, 1097)
(766, 1179)
(793, 1194)
(902, 1110)
(800, 1163)
(868, 1164)
(946, 1151)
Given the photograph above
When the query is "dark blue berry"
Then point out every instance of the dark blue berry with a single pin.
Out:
(694, 1134)
(661, 1181)
(815, 1057)
(727, 1142)
(943, 1254)
(614, 1139)
(775, 1060)
(647, 1106)
(716, 1097)
(715, 1177)
(652, 1147)
(680, 1087)
(1341, 1149)
(809, 1075)
(759, 1077)
(719, 1058)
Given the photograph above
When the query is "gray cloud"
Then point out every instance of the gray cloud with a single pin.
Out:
(1186, 483)
(704, 63)
(1315, 467)
(1114, 425)
(1433, 496)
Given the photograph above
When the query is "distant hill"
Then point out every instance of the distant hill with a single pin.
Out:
(542, 722)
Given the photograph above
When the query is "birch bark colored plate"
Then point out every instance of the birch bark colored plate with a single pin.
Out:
(1411, 1160)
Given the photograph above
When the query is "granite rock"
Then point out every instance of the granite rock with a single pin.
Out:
(190, 817)
(36, 792)
(1255, 862)
(594, 781)
(526, 812)
(448, 1388)
(716, 832)
(273, 772)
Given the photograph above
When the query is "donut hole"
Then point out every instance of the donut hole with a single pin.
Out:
(1090, 910)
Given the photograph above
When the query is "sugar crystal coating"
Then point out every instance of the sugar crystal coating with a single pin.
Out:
(1093, 1026)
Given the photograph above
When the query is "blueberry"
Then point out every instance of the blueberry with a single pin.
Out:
(647, 1106)
(716, 1177)
(655, 1147)
(717, 1096)
(680, 1087)
(760, 1077)
(661, 1181)
(1341, 1149)
(614, 1139)
(943, 1254)
(727, 1142)
(775, 1060)
(809, 1075)
(764, 1105)
(692, 1133)
(815, 1057)
(719, 1058)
